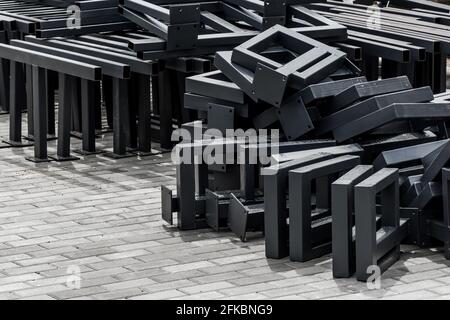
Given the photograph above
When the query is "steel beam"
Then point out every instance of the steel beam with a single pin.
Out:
(366, 90)
(50, 62)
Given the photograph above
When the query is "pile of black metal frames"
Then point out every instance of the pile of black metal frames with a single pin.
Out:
(349, 138)
(53, 18)
(339, 199)
(410, 38)
(203, 27)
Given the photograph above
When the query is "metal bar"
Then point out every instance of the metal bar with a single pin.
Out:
(111, 68)
(47, 61)
(382, 50)
(342, 201)
(415, 38)
(354, 53)
(446, 207)
(87, 115)
(165, 110)
(144, 123)
(366, 90)
(396, 111)
(239, 75)
(64, 117)
(336, 151)
(132, 113)
(325, 90)
(15, 109)
(219, 24)
(62, 22)
(65, 32)
(52, 84)
(95, 4)
(371, 245)
(150, 9)
(120, 117)
(39, 115)
(215, 84)
(417, 53)
(407, 156)
(365, 107)
(200, 103)
(29, 93)
(136, 65)
(146, 22)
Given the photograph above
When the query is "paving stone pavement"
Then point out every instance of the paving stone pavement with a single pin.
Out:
(101, 217)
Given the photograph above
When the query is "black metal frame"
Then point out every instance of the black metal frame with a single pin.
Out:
(378, 247)
(310, 229)
(343, 220)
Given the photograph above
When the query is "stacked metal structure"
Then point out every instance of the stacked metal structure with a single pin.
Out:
(363, 150)
(322, 195)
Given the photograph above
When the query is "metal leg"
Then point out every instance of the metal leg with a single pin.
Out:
(144, 112)
(4, 86)
(29, 90)
(378, 247)
(51, 78)
(87, 119)
(409, 69)
(248, 176)
(15, 106)
(155, 133)
(76, 109)
(309, 228)
(154, 85)
(186, 195)
(120, 119)
(439, 72)
(445, 195)
(390, 68)
(98, 105)
(275, 216)
(108, 99)
(165, 109)
(185, 114)
(365, 205)
(191, 187)
(15, 112)
(420, 74)
(133, 100)
(39, 116)
(64, 118)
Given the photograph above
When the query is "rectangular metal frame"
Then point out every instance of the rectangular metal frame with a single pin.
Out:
(275, 202)
(343, 220)
(378, 247)
(314, 62)
(310, 230)
(365, 107)
(394, 112)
